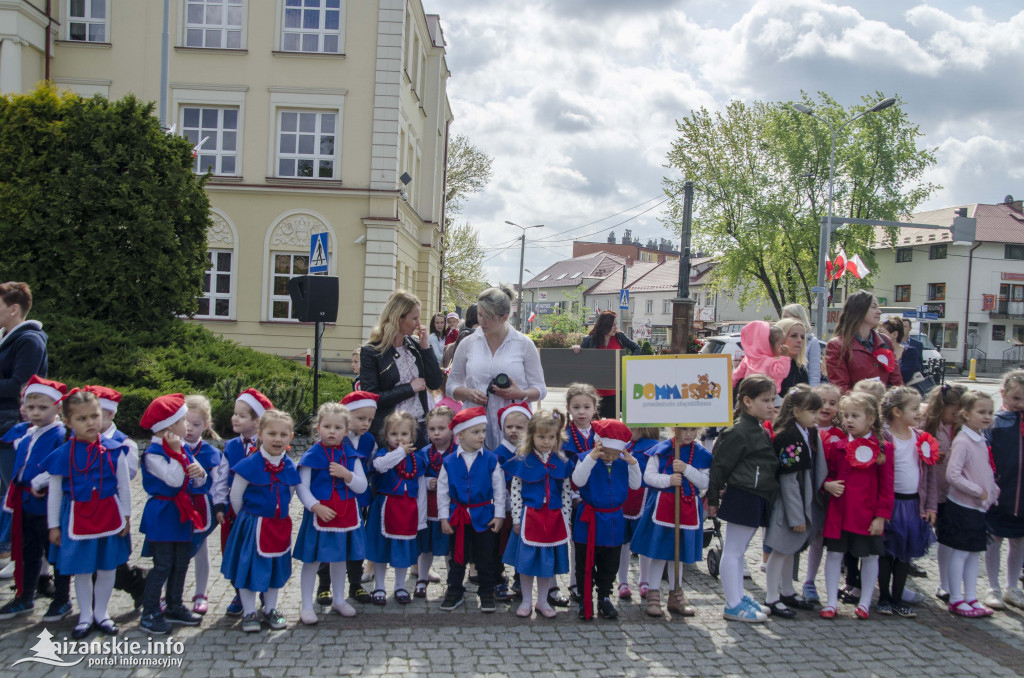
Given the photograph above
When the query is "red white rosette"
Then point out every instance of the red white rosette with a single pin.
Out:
(885, 358)
(862, 452)
(927, 448)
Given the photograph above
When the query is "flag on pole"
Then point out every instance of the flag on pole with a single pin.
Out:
(856, 267)
(842, 265)
(532, 317)
(839, 267)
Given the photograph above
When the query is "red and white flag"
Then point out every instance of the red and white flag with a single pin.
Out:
(532, 317)
(856, 267)
(839, 267)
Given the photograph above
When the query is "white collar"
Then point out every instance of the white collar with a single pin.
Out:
(459, 450)
(109, 433)
(508, 445)
(37, 431)
(157, 440)
(193, 445)
(976, 437)
(273, 460)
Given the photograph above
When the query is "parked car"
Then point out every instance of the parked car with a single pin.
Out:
(725, 343)
(929, 352)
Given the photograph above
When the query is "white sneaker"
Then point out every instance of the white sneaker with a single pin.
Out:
(308, 617)
(994, 600)
(433, 577)
(1014, 597)
(8, 571)
(911, 596)
(344, 609)
(367, 577)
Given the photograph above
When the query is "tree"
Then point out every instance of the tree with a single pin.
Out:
(573, 318)
(761, 174)
(468, 170)
(100, 211)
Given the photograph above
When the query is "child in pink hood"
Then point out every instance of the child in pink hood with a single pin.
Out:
(762, 344)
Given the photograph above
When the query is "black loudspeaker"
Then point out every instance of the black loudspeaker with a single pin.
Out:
(314, 298)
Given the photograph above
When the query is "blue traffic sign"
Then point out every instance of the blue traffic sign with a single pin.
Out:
(920, 315)
(623, 300)
(318, 253)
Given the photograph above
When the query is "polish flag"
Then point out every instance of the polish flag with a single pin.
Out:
(532, 317)
(839, 267)
(856, 267)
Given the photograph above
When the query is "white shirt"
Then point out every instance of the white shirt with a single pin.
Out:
(700, 477)
(474, 366)
(497, 486)
(35, 432)
(581, 474)
(356, 485)
(219, 488)
(167, 470)
(133, 451)
(907, 470)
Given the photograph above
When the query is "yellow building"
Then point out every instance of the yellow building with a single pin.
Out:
(312, 111)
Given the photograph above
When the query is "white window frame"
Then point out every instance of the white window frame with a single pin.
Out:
(213, 145)
(212, 96)
(302, 114)
(650, 306)
(666, 305)
(305, 100)
(88, 21)
(213, 295)
(274, 297)
(320, 31)
(224, 27)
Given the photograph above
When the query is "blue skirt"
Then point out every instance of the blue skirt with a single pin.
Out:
(381, 549)
(907, 535)
(316, 546)
(85, 556)
(1002, 524)
(6, 521)
(657, 541)
(244, 567)
(433, 540)
(535, 561)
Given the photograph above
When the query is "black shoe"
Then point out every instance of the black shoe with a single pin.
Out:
(796, 603)
(45, 587)
(361, 595)
(487, 600)
(607, 609)
(904, 611)
(58, 610)
(451, 601)
(581, 612)
(182, 615)
(848, 596)
(324, 597)
(556, 599)
(915, 571)
(574, 594)
(779, 609)
(81, 631)
(107, 626)
(154, 623)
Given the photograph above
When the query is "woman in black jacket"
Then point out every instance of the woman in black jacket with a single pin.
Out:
(606, 334)
(398, 368)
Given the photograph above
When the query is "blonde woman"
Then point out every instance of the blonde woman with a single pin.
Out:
(812, 349)
(793, 338)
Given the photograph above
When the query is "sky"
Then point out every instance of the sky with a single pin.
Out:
(576, 100)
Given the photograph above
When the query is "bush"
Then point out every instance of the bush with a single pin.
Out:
(545, 339)
(645, 348)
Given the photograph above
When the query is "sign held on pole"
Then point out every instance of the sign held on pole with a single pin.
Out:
(677, 390)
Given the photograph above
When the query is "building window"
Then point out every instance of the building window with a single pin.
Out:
(305, 144)
(936, 291)
(1014, 252)
(650, 306)
(87, 20)
(902, 293)
(216, 299)
(286, 267)
(312, 26)
(214, 23)
(999, 333)
(937, 251)
(217, 130)
(904, 255)
(666, 305)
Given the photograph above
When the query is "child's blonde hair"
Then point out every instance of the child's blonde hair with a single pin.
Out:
(649, 432)
(201, 403)
(897, 399)
(440, 411)
(398, 418)
(823, 388)
(271, 416)
(939, 398)
(872, 387)
(1013, 379)
(544, 420)
(969, 400)
(869, 405)
(580, 389)
(331, 408)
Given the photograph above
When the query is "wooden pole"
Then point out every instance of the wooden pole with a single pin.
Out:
(618, 383)
(677, 583)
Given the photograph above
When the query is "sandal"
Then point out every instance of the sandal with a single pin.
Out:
(862, 612)
(402, 596)
(421, 589)
(963, 609)
(828, 612)
(200, 604)
(380, 597)
(644, 588)
(624, 592)
(980, 609)
(107, 626)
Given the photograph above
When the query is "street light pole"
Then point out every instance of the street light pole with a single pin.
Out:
(522, 262)
(824, 242)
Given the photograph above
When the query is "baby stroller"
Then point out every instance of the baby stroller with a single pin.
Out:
(714, 556)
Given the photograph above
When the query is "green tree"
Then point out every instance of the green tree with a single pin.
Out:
(100, 211)
(467, 171)
(573, 318)
(761, 174)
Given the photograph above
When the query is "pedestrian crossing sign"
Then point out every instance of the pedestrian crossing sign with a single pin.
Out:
(318, 253)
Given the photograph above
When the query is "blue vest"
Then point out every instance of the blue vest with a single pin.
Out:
(318, 459)
(267, 495)
(161, 519)
(209, 458)
(390, 482)
(534, 474)
(467, 487)
(606, 488)
(664, 455)
(641, 448)
(366, 447)
(45, 444)
(570, 446)
(505, 454)
(235, 450)
(16, 432)
(438, 460)
(84, 472)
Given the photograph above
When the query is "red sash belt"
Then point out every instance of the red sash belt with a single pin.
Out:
(225, 528)
(186, 509)
(460, 518)
(589, 516)
(13, 502)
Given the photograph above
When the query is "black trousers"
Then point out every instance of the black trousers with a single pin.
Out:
(170, 565)
(482, 549)
(852, 565)
(895, 571)
(606, 567)
(35, 538)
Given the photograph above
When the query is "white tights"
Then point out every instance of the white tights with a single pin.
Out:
(963, 571)
(381, 569)
(307, 581)
(201, 565)
(868, 578)
(544, 585)
(778, 572)
(943, 556)
(423, 565)
(1014, 561)
(93, 599)
(657, 567)
(737, 538)
(645, 572)
(624, 555)
(248, 598)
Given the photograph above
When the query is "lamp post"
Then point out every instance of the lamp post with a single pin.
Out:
(522, 255)
(826, 231)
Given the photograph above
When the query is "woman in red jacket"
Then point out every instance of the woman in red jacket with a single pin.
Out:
(858, 351)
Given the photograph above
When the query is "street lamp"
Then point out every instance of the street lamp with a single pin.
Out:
(522, 255)
(826, 232)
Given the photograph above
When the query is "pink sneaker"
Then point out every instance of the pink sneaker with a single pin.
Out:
(199, 604)
(624, 592)
(644, 588)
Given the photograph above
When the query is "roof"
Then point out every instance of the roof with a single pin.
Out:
(572, 272)
(999, 223)
(613, 282)
(650, 276)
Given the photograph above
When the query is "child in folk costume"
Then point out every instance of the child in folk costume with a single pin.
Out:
(798, 510)
(582, 403)
(23, 521)
(541, 503)
(250, 405)
(257, 557)
(604, 476)
(973, 490)
(471, 506)
(88, 510)
(395, 512)
(643, 441)
(432, 541)
(828, 434)
(170, 516)
(198, 421)
(513, 420)
(654, 538)
(331, 531)
(746, 463)
(908, 534)
(860, 480)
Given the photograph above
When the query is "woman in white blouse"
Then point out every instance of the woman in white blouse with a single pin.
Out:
(495, 348)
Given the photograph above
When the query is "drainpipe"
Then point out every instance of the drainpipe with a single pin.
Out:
(46, 51)
(967, 304)
(444, 204)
